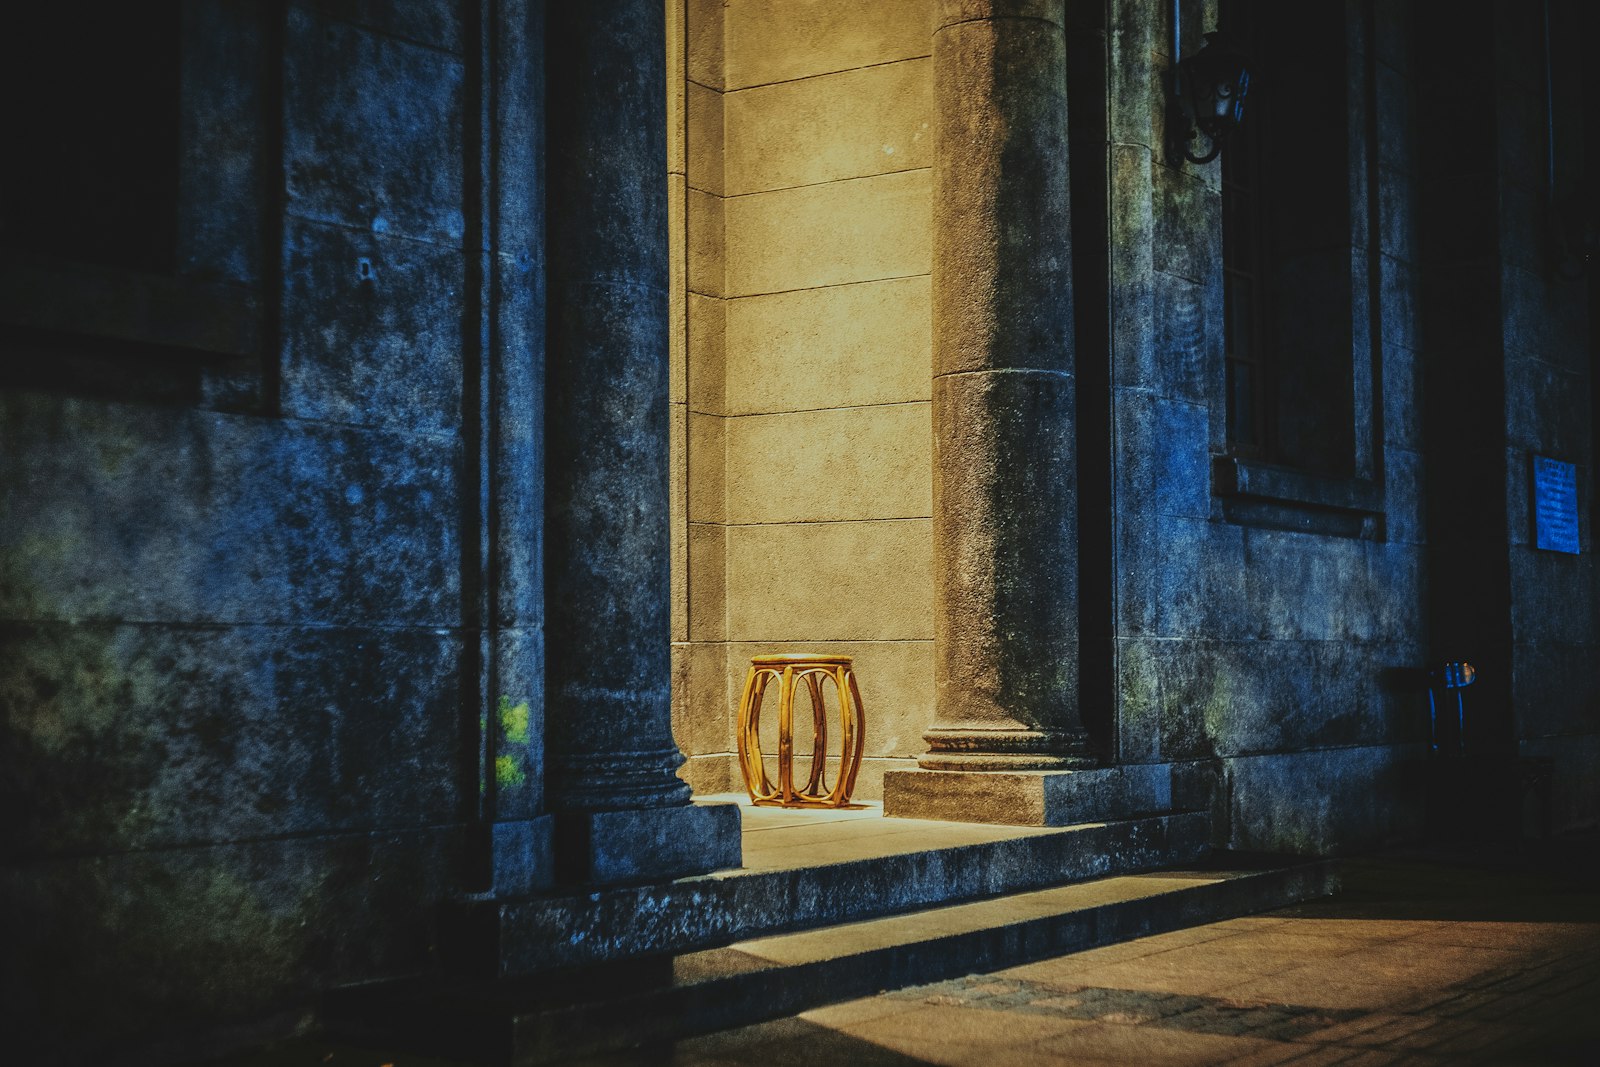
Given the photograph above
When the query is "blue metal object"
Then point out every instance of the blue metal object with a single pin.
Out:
(1452, 676)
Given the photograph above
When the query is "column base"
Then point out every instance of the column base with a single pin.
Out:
(968, 749)
(1029, 798)
(646, 844)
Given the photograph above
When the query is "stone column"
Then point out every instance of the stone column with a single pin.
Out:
(1004, 467)
(622, 813)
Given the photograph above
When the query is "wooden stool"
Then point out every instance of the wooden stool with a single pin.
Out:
(790, 671)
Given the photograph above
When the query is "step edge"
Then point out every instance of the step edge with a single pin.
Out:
(1302, 882)
(496, 1034)
(1157, 842)
(739, 874)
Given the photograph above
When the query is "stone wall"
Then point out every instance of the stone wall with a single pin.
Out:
(1549, 366)
(240, 653)
(1252, 638)
(1266, 639)
(271, 592)
(1514, 372)
(804, 446)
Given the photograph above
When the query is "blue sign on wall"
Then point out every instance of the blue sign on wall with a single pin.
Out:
(1555, 505)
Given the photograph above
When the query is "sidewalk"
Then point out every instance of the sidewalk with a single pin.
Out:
(1423, 958)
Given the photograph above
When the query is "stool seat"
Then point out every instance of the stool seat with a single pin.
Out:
(791, 670)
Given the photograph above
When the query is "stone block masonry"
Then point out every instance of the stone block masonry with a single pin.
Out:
(808, 141)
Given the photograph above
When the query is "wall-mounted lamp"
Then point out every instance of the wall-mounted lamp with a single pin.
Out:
(1208, 92)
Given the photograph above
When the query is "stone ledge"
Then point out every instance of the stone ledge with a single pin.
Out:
(1029, 798)
(646, 844)
(554, 1017)
(599, 924)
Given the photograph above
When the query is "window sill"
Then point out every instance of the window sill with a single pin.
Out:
(1260, 494)
(124, 305)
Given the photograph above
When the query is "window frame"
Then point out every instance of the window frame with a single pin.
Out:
(1254, 485)
(214, 310)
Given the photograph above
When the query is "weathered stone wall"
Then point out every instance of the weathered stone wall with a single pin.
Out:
(238, 636)
(806, 443)
(1267, 648)
(1514, 366)
(1248, 652)
(1549, 390)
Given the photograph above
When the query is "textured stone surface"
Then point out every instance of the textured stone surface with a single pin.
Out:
(244, 653)
(837, 580)
(1322, 801)
(846, 231)
(708, 595)
(159, 736)
(703, 719)
(821, 206)
(707, 354)
(607, 499)
(707, 467)
(861, 463)
(844, 345)
(703, 33)
(766, 976)
(646, 844)
(259, 609)
(1005, 641)
(1001, 251)
(1260, 641)
(773, 41)
(872, 120)
(706, 264)
(359, 154)
(375, 330)
(1028, 798)
(704, 139)
(242, 931)
(1004, 411)
(145, 514)
(954, 862)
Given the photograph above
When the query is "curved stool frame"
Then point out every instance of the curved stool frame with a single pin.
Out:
(790, 671)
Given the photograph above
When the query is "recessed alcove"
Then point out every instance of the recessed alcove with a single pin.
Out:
(799, 171)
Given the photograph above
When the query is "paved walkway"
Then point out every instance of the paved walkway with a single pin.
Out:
(1423, 958)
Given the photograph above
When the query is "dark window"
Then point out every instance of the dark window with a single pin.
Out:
(93, 97)
(1298, 272)
(1244, 264)
(140, 142)
(1287, 241)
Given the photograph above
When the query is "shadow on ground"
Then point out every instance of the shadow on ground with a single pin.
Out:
(1550, 881)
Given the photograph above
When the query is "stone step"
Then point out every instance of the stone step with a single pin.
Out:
(839, 878)
(580, 1012)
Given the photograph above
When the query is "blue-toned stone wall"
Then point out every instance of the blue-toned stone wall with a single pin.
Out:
(1271, 651)
(239, 632)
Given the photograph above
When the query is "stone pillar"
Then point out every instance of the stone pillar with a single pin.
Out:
(1004, 468)
(510, 851)
(622, 813)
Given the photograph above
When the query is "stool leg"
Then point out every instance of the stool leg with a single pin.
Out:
(751, 763)
(786, 735)
(854, 714)
(819, 737)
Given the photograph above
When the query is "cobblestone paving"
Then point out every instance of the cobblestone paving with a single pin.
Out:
(1200, 1015)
